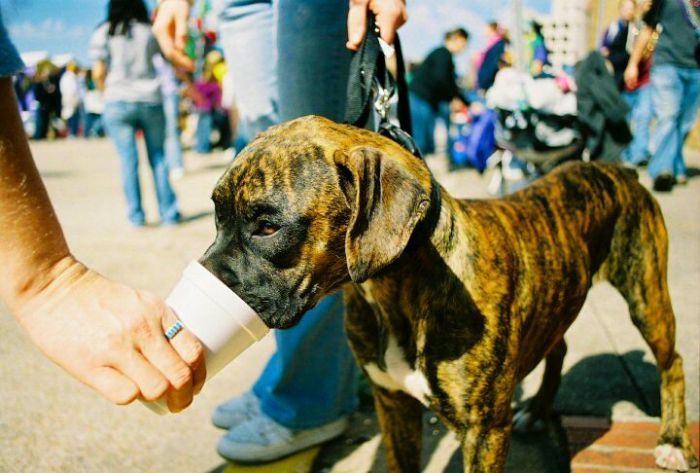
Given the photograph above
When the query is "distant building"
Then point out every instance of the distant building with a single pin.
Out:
(574, 27)
(566, 31)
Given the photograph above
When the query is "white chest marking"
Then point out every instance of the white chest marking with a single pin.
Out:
(399, 376)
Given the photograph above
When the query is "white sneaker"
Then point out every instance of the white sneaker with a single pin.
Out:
(236, 411)
(177, 174)
(262, 439)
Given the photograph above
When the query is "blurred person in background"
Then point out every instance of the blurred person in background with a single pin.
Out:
(207, 100)
(616, 45)
(221, 116)
(72, 94)
(538, 53)
(170, 87)
(123, 50)
(48, 97)
(675, 84)
(94, 106)
(488, 61)
(433, 83)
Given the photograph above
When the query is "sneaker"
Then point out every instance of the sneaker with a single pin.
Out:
(663, 182)
(177, 174)
(261, 439)
(236, 411)
(681, 179)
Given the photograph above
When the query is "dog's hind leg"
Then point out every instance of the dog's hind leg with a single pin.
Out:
(637, 268)
(533, 416)
(401, 422)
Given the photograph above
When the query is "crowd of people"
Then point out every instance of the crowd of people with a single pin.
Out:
(141, 79)
(66, 101)
(650, 51)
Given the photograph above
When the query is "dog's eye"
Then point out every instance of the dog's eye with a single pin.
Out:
(265, 228)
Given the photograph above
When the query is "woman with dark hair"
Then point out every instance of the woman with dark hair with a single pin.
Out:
(123, 49)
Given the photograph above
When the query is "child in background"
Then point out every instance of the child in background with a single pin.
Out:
(207, 99)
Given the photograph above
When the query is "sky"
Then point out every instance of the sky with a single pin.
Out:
(64, 26)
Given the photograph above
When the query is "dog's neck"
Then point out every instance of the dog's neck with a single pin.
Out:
(432, 252)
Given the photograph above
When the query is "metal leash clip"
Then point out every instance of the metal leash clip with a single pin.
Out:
(383, 95)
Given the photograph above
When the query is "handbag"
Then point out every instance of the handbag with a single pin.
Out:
(371, 89)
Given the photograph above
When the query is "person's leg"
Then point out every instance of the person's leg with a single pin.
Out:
(152, 122)
(72, 124)
(643, 115)
(203, 135)
(688, 116)
(631, 98)
(421, 122)
(89, 125)
(119, 120)
(173, 147)
(666, 98)
(41, 128)
(308, 387)
(314, 67)
(248, 38)
(307, 383)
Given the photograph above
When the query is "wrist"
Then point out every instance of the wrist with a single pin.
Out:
(47, 283)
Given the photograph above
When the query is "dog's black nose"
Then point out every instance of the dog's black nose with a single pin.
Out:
(221, 269)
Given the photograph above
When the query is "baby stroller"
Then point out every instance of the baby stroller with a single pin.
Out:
(545, 122)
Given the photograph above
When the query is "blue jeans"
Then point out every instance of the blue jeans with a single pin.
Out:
(173, 147)
(73, 123)
(122, 120)
(247, 31)
(676, 98)
(311, 378)
(423, 120)
(205, 122)
(641, 113)
(93, 125)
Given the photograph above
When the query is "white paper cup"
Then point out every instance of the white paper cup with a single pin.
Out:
(222, 321)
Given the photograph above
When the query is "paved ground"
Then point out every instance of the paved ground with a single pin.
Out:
(48, 422)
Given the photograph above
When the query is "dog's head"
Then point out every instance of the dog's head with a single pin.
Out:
(308, 206)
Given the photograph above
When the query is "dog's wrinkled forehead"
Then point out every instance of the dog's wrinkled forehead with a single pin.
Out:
(273, 171)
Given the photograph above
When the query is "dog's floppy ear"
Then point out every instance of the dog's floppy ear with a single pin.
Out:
(386, 202)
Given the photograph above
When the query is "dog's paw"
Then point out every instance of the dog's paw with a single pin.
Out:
(525, 421)
(671, 458)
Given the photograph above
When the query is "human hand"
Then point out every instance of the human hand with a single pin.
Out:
(171, 29)
(111, 337)
(390, 16)
(631, 76)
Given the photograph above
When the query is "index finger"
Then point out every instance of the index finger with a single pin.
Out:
(357, 23)
(391, 15)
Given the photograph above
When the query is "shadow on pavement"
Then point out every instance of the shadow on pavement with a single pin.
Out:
(589, 389)
(55, 174)
(196, 216)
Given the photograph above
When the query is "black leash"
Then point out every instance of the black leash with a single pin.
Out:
(371, 86)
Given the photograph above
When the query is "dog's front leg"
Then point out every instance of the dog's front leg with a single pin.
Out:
(400, 420)
(484, 449)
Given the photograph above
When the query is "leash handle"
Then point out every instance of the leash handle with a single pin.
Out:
(371, 87)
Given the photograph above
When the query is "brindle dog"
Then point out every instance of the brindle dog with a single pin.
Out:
(450, 303)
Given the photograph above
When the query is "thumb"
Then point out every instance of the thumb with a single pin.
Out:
(357, 23)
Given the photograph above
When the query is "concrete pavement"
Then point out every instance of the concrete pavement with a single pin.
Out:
(49, 422)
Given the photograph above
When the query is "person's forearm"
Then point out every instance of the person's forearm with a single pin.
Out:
(32, 246)
(640, 45)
